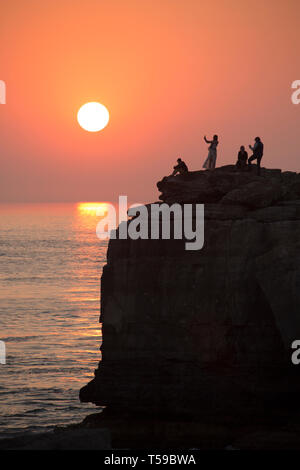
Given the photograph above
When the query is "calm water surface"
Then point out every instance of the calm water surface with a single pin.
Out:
(51, 263)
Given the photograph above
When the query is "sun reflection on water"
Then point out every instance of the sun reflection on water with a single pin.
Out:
(92, 208)
(53, 259)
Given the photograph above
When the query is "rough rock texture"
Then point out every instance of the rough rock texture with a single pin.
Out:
(226, 185)
(208, 332)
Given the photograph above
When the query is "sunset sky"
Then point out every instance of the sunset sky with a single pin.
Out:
(169, 71)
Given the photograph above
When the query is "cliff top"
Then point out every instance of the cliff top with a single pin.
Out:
(229, 186)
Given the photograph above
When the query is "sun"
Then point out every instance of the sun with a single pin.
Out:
(93, 117)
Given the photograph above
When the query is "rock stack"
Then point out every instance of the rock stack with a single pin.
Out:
(208, 332)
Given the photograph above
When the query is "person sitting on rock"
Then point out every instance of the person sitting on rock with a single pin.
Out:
(242, 158)
(258, 151)
(181, 168)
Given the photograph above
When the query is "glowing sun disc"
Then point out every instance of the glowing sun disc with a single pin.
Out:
(93, 117)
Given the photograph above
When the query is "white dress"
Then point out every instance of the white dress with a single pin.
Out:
(210, 162)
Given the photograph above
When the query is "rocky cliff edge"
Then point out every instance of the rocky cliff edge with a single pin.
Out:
(208, 332)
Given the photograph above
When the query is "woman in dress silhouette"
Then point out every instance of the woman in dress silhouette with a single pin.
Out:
(210, 162)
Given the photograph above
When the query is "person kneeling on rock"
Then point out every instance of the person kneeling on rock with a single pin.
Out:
(242, 158)
(181, 168)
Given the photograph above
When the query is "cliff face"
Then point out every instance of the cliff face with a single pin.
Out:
(206, 332)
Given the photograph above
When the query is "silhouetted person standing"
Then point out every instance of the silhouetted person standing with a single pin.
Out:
(258, 151)
(180, 168)
(210, 162)
(242, 158)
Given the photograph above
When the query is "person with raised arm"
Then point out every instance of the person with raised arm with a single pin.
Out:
(210, 162)
(258, 151)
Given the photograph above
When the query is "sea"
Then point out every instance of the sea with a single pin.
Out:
(51, 263)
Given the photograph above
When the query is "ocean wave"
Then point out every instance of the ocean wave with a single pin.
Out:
(18, 339)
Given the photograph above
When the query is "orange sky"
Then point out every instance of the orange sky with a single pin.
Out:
(169, 71)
